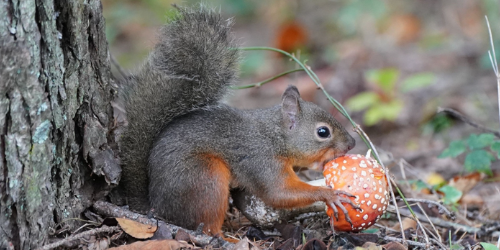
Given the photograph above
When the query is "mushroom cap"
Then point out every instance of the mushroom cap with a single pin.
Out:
(364, 178)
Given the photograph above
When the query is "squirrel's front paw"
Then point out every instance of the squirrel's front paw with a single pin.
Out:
(336, 200)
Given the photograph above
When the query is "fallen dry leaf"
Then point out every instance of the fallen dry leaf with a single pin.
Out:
(403, 28)
(394, 246)
(136, 229)
(290, 36)
(473, 200)
(467, 182)
(242, 244)
(372, 246)
(407, 223)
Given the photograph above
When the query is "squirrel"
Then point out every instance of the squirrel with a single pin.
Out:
(183, 150)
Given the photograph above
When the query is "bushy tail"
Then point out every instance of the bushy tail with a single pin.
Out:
(191, 67)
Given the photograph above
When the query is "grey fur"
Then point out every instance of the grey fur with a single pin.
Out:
(189, 68)
(177, 127)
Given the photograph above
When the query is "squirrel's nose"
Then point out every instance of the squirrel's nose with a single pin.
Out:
(351, 143)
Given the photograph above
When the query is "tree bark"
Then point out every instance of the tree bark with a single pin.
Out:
(57, 148)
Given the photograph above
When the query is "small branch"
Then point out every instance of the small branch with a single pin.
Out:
(494, 64)
(118, 67)
(441, 222)
(103, 229)
(461, 117)
(441, 207)
(111, 210)
(266, 81)
(401, 240)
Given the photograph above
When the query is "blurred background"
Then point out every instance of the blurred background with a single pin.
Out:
(390, 63)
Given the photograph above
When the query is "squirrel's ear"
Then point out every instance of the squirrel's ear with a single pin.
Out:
(290, 106)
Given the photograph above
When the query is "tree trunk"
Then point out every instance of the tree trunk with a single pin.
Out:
(57, 150)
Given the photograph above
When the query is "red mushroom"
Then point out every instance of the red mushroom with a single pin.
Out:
(364, 178)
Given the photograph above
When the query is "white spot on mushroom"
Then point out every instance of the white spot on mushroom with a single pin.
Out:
(369, 223)
(363, 202)
(344, 161)
(379, 209)
(365, 217)
(363, 173)
(362, 164)
(382, 201)
(380, 182)
(353, 169)
(374, 206)
(357, 215)
(343, 168)
(335, 179)
(374, 184)
(354, 158)
(355, 176)
(360, 228)
(367, 195)
(363, 224)
(370, 171)
(335, 165)
(369, 203)
(377, 197)
(365, 185)
(380, 190)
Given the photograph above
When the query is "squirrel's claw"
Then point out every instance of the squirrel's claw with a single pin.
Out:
(348, 201)
(338, 203)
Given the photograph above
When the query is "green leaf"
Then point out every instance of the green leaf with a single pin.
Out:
(417, 81)
(420, 185)
(488, 246)
(480, 141)
(455, 149)
(373, 115)
(383, 111)
(392, 109)
(451, 194)
(456, 246)
(384, 78)
(371, 230)
(362, 101)
(478, 160)
(495, 147)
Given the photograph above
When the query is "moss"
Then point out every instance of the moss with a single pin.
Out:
(42, 132)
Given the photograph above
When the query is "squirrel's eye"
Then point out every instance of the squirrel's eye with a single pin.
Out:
(323, 132)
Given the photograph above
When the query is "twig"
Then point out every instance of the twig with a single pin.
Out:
(432, 225)
(423, 228)
(118, 67)
(111, 210)
(441, 207)
(389, 182)
(461, 117)
(494, 63)
(103, 229)
(440, 222)
(410, 242)
(266, 81)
